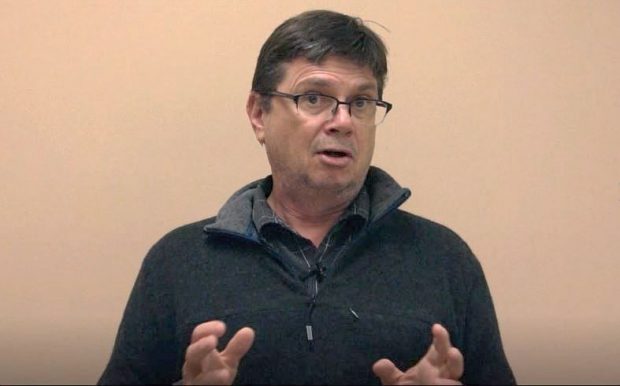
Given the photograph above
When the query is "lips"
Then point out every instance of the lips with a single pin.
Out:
(336, 152)
(335, 157)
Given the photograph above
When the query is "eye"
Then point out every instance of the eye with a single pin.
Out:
(312, 99)
(361, 103)
(314, 103)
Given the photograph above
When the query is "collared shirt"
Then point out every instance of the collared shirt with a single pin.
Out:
(298, 254)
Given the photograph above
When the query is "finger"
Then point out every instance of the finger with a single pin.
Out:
(387, 372)
(441, 343)
(197, 351)
(455, 363)
(213, 363)
(446, 381)
(221, 376)
(212, 327)
(238, 346)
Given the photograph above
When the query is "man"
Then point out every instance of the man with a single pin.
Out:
(312, 275)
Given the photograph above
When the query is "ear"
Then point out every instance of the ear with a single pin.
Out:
(255, 113)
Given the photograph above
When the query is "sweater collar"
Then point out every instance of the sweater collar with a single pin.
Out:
(235, 217)
(263, 215)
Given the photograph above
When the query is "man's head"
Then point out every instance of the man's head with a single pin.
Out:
(315, 35)
(315, 103)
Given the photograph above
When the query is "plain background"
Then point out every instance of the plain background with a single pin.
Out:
(120, 120)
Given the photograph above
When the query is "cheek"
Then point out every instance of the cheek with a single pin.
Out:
(369, 145)
(288, 150)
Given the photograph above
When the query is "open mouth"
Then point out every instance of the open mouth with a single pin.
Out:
(335, 153)
(336, 157)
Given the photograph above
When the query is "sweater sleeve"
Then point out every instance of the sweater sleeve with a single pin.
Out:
(145, 347)
(485, 360)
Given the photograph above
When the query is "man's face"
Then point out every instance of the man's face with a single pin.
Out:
(319, 153)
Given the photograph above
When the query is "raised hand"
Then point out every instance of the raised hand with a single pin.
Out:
(204, 364)
(441, 365)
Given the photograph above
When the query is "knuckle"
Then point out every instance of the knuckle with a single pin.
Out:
(189, 353)
(221, 377)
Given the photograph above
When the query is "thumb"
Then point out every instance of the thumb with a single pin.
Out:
(387, 372)
(441, 340)
(238, 346)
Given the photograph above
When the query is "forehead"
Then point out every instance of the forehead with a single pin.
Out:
(332, 73)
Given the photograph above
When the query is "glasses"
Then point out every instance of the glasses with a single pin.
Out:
(367, 111)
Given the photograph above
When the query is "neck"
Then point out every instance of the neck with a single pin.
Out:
(310, 215)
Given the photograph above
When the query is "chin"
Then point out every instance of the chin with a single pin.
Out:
(336, 185)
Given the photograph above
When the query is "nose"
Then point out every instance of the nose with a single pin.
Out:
(341, 121)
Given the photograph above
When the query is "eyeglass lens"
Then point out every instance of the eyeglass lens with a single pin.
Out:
(362, 110)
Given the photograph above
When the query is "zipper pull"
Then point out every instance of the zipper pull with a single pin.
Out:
(309, 332)
(310, 337)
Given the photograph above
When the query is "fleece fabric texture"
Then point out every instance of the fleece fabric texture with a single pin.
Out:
(400, 275)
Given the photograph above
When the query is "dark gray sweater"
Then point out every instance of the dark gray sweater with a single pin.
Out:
(402, 274)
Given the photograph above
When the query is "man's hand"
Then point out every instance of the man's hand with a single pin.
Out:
(442, 365)
(204, 364)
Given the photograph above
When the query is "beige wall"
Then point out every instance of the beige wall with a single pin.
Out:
(120, 120)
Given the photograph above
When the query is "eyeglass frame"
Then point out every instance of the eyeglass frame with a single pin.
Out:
(295, 97)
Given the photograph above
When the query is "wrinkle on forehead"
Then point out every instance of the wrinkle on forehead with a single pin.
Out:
(322, 82)
(331, 73)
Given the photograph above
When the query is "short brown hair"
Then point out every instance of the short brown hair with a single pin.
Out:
(315, 35)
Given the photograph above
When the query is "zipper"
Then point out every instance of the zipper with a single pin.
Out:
(319, 268)
(309, 332)
(236, 235)
(312, 280)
